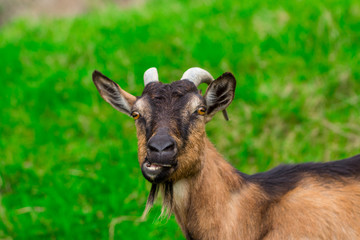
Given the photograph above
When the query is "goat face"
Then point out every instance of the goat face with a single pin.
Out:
(170, 121)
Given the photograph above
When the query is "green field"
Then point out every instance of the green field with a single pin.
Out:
(69, 165)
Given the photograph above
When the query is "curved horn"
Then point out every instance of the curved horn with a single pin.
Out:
(197, 76)
(151, 75)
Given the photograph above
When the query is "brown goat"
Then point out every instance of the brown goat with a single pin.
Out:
(209, 197)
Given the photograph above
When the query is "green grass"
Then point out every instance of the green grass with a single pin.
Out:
(69, 166)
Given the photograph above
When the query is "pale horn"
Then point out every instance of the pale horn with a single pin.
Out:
(151, 75)
(199, 76)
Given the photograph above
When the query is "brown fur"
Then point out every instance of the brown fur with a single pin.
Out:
(220, 205)
(189, 157)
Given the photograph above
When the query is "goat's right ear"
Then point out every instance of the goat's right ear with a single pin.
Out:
(113, 94)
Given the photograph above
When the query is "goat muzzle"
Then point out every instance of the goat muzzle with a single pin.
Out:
(161, 157)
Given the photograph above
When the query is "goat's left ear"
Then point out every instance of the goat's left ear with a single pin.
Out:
(220, 94)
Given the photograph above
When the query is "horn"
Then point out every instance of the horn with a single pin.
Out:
(197, 76)
(151, 75)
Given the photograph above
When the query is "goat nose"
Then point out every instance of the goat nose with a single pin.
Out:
(161, 143)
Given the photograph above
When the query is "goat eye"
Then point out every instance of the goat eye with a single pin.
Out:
(135, 115)
(201, 111)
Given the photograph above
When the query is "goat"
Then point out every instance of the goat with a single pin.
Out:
(209, 197)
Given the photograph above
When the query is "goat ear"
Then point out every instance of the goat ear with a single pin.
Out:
(112, 93)
(220, 94)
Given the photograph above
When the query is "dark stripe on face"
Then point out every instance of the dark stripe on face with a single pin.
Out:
(167, 104)
(142, 122)
(183, 128)
(188, 125)
(151, 123)
(188, 119)
(148, 133)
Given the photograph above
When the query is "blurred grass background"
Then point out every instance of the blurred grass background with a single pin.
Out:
(68, 161)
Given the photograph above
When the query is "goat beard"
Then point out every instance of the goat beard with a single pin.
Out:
(166, 189)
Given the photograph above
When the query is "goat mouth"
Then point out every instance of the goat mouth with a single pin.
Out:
(155, 166)
(157, 172)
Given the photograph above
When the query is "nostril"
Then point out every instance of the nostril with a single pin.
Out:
(169, 147)
(161, 144)
(153, 148)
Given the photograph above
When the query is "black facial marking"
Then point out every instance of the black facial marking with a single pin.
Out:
(149, 129)
(142, 121)
(167, 103)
